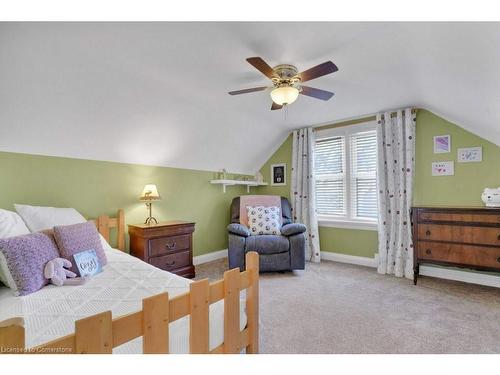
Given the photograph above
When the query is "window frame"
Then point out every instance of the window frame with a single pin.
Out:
(349, 221)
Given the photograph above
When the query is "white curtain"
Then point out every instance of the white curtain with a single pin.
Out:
(396, 157)
(303, 188)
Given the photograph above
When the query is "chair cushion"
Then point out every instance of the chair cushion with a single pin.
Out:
(264, 220)
(267, 244)
(256, 200)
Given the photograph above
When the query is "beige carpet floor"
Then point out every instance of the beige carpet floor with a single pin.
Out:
(338, 308)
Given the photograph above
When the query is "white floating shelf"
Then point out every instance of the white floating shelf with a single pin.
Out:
(225, 183)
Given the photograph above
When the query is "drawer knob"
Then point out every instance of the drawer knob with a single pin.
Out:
(170, 245)
(498, 237)
(428, 233)
(170, 263)
(428, 251)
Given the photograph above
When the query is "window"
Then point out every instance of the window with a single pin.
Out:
(346, 176)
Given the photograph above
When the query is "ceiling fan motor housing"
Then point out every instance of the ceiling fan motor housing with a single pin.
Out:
(286, 75)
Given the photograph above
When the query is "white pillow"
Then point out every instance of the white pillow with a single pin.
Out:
(40, 218)
(264, 220)
(11, 224)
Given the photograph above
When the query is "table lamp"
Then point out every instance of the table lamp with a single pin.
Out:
(150, 194)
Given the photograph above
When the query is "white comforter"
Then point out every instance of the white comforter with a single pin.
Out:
(51, 312)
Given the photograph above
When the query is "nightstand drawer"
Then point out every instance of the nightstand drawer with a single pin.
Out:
(166, 245)
(172, 261)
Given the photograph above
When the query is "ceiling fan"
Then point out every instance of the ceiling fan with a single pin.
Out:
(287, 81)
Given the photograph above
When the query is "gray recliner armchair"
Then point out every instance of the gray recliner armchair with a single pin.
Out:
(283, 252)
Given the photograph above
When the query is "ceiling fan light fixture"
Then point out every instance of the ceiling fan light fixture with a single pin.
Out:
(284, 95)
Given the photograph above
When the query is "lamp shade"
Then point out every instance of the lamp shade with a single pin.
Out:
(284, 95)
(150, 193)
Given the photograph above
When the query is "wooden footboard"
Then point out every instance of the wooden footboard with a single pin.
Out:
(101, 333)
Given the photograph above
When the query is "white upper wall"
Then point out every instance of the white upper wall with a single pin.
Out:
(156, 93)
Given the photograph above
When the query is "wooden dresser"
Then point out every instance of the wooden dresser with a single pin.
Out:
(459, 237)
(167, 245)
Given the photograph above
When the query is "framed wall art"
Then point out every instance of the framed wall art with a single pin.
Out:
(443, 168)
(278, 174)
(442, 144)
(470, 155)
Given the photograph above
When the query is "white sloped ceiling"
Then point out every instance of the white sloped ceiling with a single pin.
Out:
(156, 93)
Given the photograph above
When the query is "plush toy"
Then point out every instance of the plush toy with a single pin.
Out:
(56, 271)
(491, 197)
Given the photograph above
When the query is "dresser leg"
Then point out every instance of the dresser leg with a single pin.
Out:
(416, 270)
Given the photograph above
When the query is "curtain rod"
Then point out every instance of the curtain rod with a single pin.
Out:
(354, 121)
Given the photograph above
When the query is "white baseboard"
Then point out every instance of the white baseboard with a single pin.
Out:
(442, 273)
(458, 275)
(205, 258)
(351, 259)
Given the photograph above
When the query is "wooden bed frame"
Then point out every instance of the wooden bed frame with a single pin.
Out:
(101, 333)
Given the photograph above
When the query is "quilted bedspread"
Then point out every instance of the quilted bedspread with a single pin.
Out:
(51, 312)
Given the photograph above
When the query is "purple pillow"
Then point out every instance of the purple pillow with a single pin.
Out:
(75, 238)
(26, 257)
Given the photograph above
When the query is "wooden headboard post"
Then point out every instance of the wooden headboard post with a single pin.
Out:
(104, 223)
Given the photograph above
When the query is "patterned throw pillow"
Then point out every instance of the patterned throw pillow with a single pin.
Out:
(75, 238)
(264, 220)
(25, 257)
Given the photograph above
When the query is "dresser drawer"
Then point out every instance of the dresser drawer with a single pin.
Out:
(172, 261)
(166, 245)
(459, 254)
(457, 233)
(462, 217)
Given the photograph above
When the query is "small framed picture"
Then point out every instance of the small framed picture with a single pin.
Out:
(443, 168)
(442, 144)
(278, 174)
(470, 155)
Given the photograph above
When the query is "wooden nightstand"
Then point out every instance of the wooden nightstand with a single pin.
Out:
(167, 245)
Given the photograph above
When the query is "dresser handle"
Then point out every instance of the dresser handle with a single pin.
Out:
(171, 263)
(428, 252)
(428, 233)
(170, 245)
(498, 237)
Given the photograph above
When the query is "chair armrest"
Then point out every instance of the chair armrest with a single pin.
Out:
(238, 229)
(291, 229)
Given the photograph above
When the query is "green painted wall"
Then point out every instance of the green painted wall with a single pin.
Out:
(357, 242)
(470, 179)
(282, 155)
(96, 187)
(464, 188)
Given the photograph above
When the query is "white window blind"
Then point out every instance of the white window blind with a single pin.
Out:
(364, 174)
(346, 174)
(330, 176)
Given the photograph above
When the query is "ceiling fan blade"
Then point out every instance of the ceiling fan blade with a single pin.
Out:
(262, 66)
(276, 106)
(318, 71)
(316, 93)
(246, 91)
